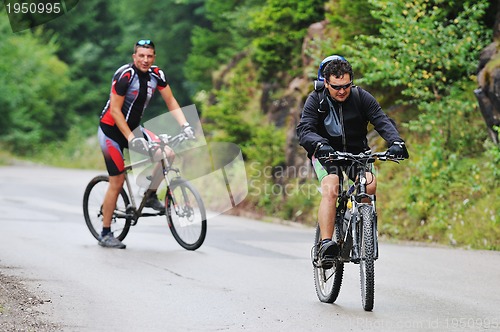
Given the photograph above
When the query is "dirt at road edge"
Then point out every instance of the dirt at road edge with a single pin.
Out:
(19, 308)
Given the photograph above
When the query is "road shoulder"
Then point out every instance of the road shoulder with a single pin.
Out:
(19, 308)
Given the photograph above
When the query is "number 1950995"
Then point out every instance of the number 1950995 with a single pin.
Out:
(33, 8)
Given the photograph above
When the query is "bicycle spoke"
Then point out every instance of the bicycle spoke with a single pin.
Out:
(92, 209)
(327, 281)
(186, 215)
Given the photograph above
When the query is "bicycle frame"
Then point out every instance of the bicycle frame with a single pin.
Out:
(184, 208)
(133, 212)
(357, 195)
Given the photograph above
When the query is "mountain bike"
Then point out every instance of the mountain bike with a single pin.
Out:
(184, 208)
(355, 232)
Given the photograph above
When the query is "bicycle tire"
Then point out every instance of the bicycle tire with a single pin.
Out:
(367, 262)
(189, 231)
(327, 282)
(92, 208)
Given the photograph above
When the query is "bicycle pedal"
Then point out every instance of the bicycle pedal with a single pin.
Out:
(356, 260)
(328, 264)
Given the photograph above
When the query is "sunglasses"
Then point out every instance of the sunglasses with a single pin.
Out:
(340, 87)
(144, 42)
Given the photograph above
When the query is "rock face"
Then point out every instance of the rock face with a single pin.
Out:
(488, 93)
(286, 110)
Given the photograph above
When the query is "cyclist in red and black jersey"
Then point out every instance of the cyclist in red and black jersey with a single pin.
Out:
(132, 87)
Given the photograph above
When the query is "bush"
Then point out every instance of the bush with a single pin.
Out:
(34, 85)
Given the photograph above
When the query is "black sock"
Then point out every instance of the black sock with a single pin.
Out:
(105, 231)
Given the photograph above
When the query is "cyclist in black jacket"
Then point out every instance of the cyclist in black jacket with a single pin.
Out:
(335, 118)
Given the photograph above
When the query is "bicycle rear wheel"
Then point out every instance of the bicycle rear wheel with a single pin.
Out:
(92, 208)
(186, 214)
(367, 262)
(327, 281)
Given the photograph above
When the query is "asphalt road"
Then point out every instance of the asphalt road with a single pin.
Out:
(248, 275)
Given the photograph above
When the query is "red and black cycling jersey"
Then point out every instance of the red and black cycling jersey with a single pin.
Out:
(138, 88)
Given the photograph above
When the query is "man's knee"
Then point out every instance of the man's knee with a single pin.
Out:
(371, 183)
(116, 182)
(169, 153)
(330, 187)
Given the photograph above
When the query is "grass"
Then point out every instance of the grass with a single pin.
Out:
(6, 158)
(458, 208)
(74, 153)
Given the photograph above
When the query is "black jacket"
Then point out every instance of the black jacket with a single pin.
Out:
(354, 115)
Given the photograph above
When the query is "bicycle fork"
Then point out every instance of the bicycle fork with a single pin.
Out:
(356, 225)
(375, 235)
(374, 226)
(170, 199)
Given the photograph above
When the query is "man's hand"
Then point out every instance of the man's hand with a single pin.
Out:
(323, 151)
(188, 130)
(139, 144)
(398, 150)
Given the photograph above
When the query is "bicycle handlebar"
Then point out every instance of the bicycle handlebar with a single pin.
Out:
(169, 140)
(366, 157)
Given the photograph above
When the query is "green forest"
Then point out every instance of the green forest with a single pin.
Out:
(248, 66)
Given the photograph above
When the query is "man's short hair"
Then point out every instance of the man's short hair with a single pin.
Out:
(337, 68)
(145, 43)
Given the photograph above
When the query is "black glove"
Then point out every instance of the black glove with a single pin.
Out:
(398, 150)
(323, 151)
(139, 144)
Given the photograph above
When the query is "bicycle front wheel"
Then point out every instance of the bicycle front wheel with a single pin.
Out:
(367, 262)
(92, 208)
(186, 214)
(326, 281)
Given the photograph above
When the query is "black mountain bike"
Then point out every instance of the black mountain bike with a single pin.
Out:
(184, 208)
(355, 233)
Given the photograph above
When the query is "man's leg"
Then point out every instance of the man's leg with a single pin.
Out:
(109, 204)
(328, 205)
(108, 207)
(328, 249)
(371, 181)
(113, 157)
(156, 179)
(371, 184)
(157, 174)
